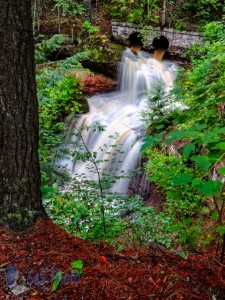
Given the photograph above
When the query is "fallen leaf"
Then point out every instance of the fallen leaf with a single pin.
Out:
(104, 259)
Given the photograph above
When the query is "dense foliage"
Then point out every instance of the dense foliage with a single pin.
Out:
(184, 147)
(59, 95)
(170, 13)
(187, 149)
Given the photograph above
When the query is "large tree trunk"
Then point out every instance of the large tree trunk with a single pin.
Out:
(20, 197)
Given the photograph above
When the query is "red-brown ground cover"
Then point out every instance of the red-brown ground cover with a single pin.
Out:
(96, 83)
(153, 273)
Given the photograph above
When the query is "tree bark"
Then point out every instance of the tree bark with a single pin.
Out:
(20, 196)
(163, 15)
(88, 12)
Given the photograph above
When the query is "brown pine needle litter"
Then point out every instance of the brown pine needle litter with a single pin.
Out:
(39, 253)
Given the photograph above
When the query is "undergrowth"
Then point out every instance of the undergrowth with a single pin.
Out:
(185, 148)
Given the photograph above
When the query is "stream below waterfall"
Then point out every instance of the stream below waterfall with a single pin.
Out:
(112, 131)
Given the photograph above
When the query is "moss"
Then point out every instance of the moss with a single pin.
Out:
(19, 221)
(104, 59)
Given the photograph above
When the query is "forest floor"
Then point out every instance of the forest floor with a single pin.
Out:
(29, 261)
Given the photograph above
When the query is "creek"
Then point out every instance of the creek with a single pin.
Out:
(115, 149)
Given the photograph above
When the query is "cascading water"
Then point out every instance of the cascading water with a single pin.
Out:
(116, 149)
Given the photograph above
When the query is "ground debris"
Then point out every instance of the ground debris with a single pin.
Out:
(38, 254)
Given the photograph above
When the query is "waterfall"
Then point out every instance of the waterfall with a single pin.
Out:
(116, 148)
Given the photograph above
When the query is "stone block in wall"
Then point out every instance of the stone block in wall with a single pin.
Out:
(179, 40)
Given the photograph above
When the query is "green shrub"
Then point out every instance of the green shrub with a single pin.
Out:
(185, 174)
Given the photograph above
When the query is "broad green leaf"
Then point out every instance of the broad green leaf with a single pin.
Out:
(221, 230)
(214, 156)
(150, 141)
(219, 130)
(182, 179)
(175, 135)
(211, 187)
(214, 216)
(77, 264)
(184, 236)
(220, 146)
(56, 281)
(147, 143)
(176, 90)
(187, 221)
(179, 134)
(176, 228)
(199, 127)
(209, 138)
(196, 181)
(158, 138)
(222, 171)
(187, 149)
(202, 162)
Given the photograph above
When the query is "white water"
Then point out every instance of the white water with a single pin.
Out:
(119, 112)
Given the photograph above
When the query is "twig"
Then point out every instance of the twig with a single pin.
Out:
(219, 159)
(99, 179)
(222, 265)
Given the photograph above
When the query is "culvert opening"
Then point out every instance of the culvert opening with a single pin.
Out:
(160, 43)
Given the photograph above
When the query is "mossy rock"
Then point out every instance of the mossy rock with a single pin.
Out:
(104, 59)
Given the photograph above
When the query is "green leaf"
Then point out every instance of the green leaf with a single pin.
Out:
(175, 135)
(221, 230)
(222, 171)
(182, 179)
(198, 127)
(202, 162)
(56, 281)
(77, 264)
(147, 143)
(209, 138)
(151, 141)
(220, 146)
(158, 138)
(214, 216)
(179, 134)
(211, 187)
(159, 127)
(187, 221)
(196, 181)
(176, 228)
(187, 149)
(177, 90)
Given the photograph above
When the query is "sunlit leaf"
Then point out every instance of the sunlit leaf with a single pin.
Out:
(56, 281)
(77, 264)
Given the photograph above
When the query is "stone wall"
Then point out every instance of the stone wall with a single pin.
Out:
(179, 40)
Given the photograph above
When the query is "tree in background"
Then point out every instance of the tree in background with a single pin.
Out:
(20, 197)
(87, 6)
